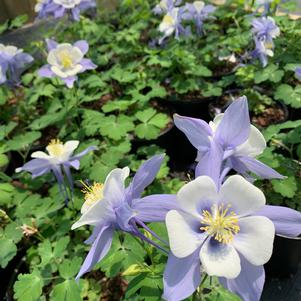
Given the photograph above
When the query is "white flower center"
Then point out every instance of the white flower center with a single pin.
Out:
(10, 50)
(220, 223)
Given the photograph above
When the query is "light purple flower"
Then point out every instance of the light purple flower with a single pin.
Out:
(165, 6)
(298, 72)
(198, 12)
(59, 8)
(228, 142)
(13, 62)
(114, 207)
(66, 61)
(226, 232)
(264, 31)
(59, 159)
(172, 24)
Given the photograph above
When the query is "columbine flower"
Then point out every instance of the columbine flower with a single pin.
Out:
(228, 231)
(230, 141)
(13, 62)
(171, 23)
(264, 30)
(198, 12)
(111, 207)
(59, 8)
(58, 159)
(165, 6)
(66, 61)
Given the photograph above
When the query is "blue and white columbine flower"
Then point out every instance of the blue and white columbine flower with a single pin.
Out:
(59, 8)
(66, 61)
(228, 142)
(58, 159)
(171, 24)
(112, 206)
(198, 12)
(13, 61)
(165, 6)
(264, 31)
(226, 232)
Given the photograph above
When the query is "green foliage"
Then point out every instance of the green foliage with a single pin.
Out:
(290, 96)
(28, 287)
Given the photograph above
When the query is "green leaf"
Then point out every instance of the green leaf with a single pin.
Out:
(13, 232)
(68, 290)
(120, 105)
(28, 287)
(116, 127)
(6, 129)
(152, 123)
(8, 251)
(274, 129)
(3, 160)
(287, 187)
(46, 120)
(270, 73)
(18, 21)
(291, 96)
(94, 81)
(69, 268)
(6, 192)
(23, 141)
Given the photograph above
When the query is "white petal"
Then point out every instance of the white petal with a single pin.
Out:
(73, 70)
(255, 239)
(220, 260)
(196, 193)
(254, 145)
(114, 189)
(57, 71)
(183, 234)
(243, 197)
(71, 146)
(76, 55)
(40, 155)
(98, 212)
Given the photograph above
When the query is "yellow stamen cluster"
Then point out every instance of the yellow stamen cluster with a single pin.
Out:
(93, 193)
(65, 59)
(168, 20)
(55, 148)
(220, 223)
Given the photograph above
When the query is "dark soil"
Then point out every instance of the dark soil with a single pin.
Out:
(271, 115)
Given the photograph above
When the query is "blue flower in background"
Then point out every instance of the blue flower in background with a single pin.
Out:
(111, 207)
(198, 12)
(59, 8)
(13, 61)
(59, 159)
(172, 24)
(166, 6)
(66, 61)
(265, 31)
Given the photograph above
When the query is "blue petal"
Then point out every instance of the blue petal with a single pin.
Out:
(287, 221)
(144, 176)
(196, 130)
(234, 128)
(153, 208)
(249, 283)
(99, 249)
(182, 276)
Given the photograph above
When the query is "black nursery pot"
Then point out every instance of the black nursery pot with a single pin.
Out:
(195, 107)
(286, 257)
